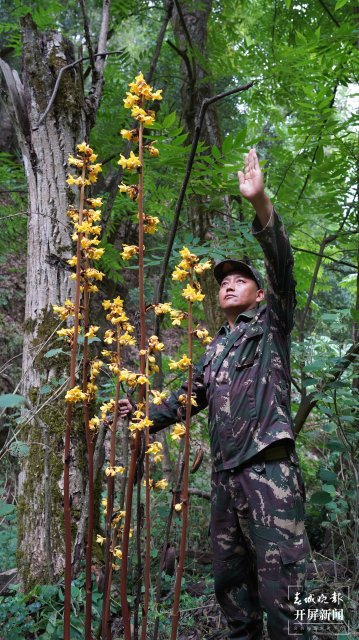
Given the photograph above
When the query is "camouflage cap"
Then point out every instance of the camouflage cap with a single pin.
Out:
(227, 266)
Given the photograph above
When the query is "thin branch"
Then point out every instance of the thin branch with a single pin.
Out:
(185, 58)
(160, 38)
(310, 401)
(88, 37)
(113, 190)
(325, 257)
(183, 23)
(327, 10)
(59, 77)
(205, 104)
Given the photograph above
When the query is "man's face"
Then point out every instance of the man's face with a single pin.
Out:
(238, 292)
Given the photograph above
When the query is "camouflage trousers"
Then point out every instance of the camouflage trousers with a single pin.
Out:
(259, 547)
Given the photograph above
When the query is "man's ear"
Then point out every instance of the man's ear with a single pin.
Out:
(260, 295)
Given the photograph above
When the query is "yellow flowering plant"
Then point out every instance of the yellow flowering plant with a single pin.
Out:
(86, 232)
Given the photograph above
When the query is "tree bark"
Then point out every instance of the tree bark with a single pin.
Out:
(190, 29)
(45, 150)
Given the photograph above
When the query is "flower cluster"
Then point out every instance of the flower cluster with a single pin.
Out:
(181, 364)
(178, 432)
(155, 449)
(84, 163)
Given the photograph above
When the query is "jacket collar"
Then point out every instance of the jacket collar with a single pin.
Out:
(244, 316)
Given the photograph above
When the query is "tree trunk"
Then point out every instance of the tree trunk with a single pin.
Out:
(45, 150)
(190, 28)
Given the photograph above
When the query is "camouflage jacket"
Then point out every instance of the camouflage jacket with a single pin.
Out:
(244, 376)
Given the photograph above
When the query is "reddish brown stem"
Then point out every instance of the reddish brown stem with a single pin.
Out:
(89, 444)
(147, 518)
(136, 439)
(184, 496)
(106, 628)
(67, 444)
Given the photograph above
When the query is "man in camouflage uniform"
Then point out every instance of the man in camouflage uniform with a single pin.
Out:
(257, 530)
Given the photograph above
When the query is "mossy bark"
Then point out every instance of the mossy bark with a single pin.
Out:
(191, 30)
(45, 149)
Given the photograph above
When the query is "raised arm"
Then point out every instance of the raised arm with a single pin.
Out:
(251, 186)
(269, 230)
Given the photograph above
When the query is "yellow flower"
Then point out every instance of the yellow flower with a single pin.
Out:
(94, 202)
(66, 333)
(92, 288)
(203, 335)
(183, 399)
(153, 151)
(126, 338)
(91, 389)
(130, 101)
(75, 162)
(117, 552)
(119, 470)
(158, 457)
(95, 254)
(150, 224)
(147, 117)
(181, 364)
(179, 274)
(162, 307)
(100, 539)
(107, 408)
(158, 396)
(76, 181)
(131, 190)
(161, 484)
(178, 432)
(156, 95)
(177, 316)
(178, 507)
(193, 293)
(75, 395)
(109, 337)
(203, 266)
(94, 273)
(154, 344)
(131, 163)
(72, 261)
(110, 471)
(91, 331)
(84, 149)
(129, 250)
(142, 379)
(155, 447)
(94, 423)
(95, 368)
(130, 134)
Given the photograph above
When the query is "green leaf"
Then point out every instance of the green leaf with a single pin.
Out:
(216, 152)
(53, 352)
(6, 509)
(169, 120)
(288, 3)
(340, 4)
(19, 449)
(320, 498)
(327, 476)
(354, 314)
(11, 400)
(335, 445)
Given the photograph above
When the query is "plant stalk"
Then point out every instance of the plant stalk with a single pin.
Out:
(184, 495)
(67, 444)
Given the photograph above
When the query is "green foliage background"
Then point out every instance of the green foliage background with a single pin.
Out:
(301, 115)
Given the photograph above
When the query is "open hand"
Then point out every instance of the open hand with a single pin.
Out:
(251, 184)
